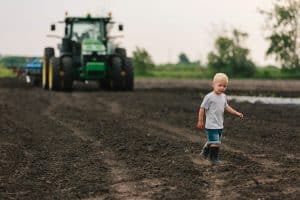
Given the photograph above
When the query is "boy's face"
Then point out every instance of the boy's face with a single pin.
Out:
(219, 86)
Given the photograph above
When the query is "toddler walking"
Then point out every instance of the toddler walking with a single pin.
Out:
(212, 113)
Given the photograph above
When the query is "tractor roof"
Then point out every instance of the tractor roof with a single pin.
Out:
(87, 19)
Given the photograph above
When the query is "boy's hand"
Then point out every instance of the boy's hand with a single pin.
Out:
(200, 124)
(240, 115)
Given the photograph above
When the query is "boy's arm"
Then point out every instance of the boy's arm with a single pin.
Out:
(233, 111)
(201, 118)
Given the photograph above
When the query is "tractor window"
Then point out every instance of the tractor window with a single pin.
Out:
(87, 30)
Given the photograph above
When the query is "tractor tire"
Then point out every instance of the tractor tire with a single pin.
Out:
(36, 81)
(121, 52)
(115, 73)
(129, 75)
(54, 74)
(48, 53)
(67, 81)
(104, 84)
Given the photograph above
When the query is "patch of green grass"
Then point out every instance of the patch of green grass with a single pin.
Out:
(171, 74)
(275, 73)
(4, 72)
(194, 71)
(184, 71)
(176, 74)
(268, 73)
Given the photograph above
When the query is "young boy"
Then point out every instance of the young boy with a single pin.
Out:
(213, 107)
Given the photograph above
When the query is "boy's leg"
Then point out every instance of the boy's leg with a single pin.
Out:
(205, 151)
(214, 138)
(214, 154)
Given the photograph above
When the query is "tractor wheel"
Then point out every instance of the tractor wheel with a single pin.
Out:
(115, 73)
(36, 81)
(67, 80)
(48, 53)
(129, 75)
(104, 84)
(54, 74)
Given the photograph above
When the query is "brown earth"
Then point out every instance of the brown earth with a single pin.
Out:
(92, 144)
(284, 88)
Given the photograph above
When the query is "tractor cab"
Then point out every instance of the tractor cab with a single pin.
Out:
(85, 36)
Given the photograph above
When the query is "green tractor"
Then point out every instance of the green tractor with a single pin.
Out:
(87, 53)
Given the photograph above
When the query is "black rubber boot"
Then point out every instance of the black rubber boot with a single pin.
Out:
(205, 152)
(214, 155)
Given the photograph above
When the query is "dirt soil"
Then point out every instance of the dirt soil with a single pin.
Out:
(284, 88)
(92, 144)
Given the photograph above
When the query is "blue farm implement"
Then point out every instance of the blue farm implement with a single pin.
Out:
(33, 71)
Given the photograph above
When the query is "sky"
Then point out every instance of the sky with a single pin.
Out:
(165, 28)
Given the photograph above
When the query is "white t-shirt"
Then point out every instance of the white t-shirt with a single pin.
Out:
(214, 106)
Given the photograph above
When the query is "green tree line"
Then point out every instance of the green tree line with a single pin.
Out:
(231, 56)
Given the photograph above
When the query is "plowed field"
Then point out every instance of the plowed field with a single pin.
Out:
(91, 144)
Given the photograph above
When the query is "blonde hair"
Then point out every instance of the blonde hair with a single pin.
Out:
(220, 76)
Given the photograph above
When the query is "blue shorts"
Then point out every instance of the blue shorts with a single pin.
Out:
(214, 136)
